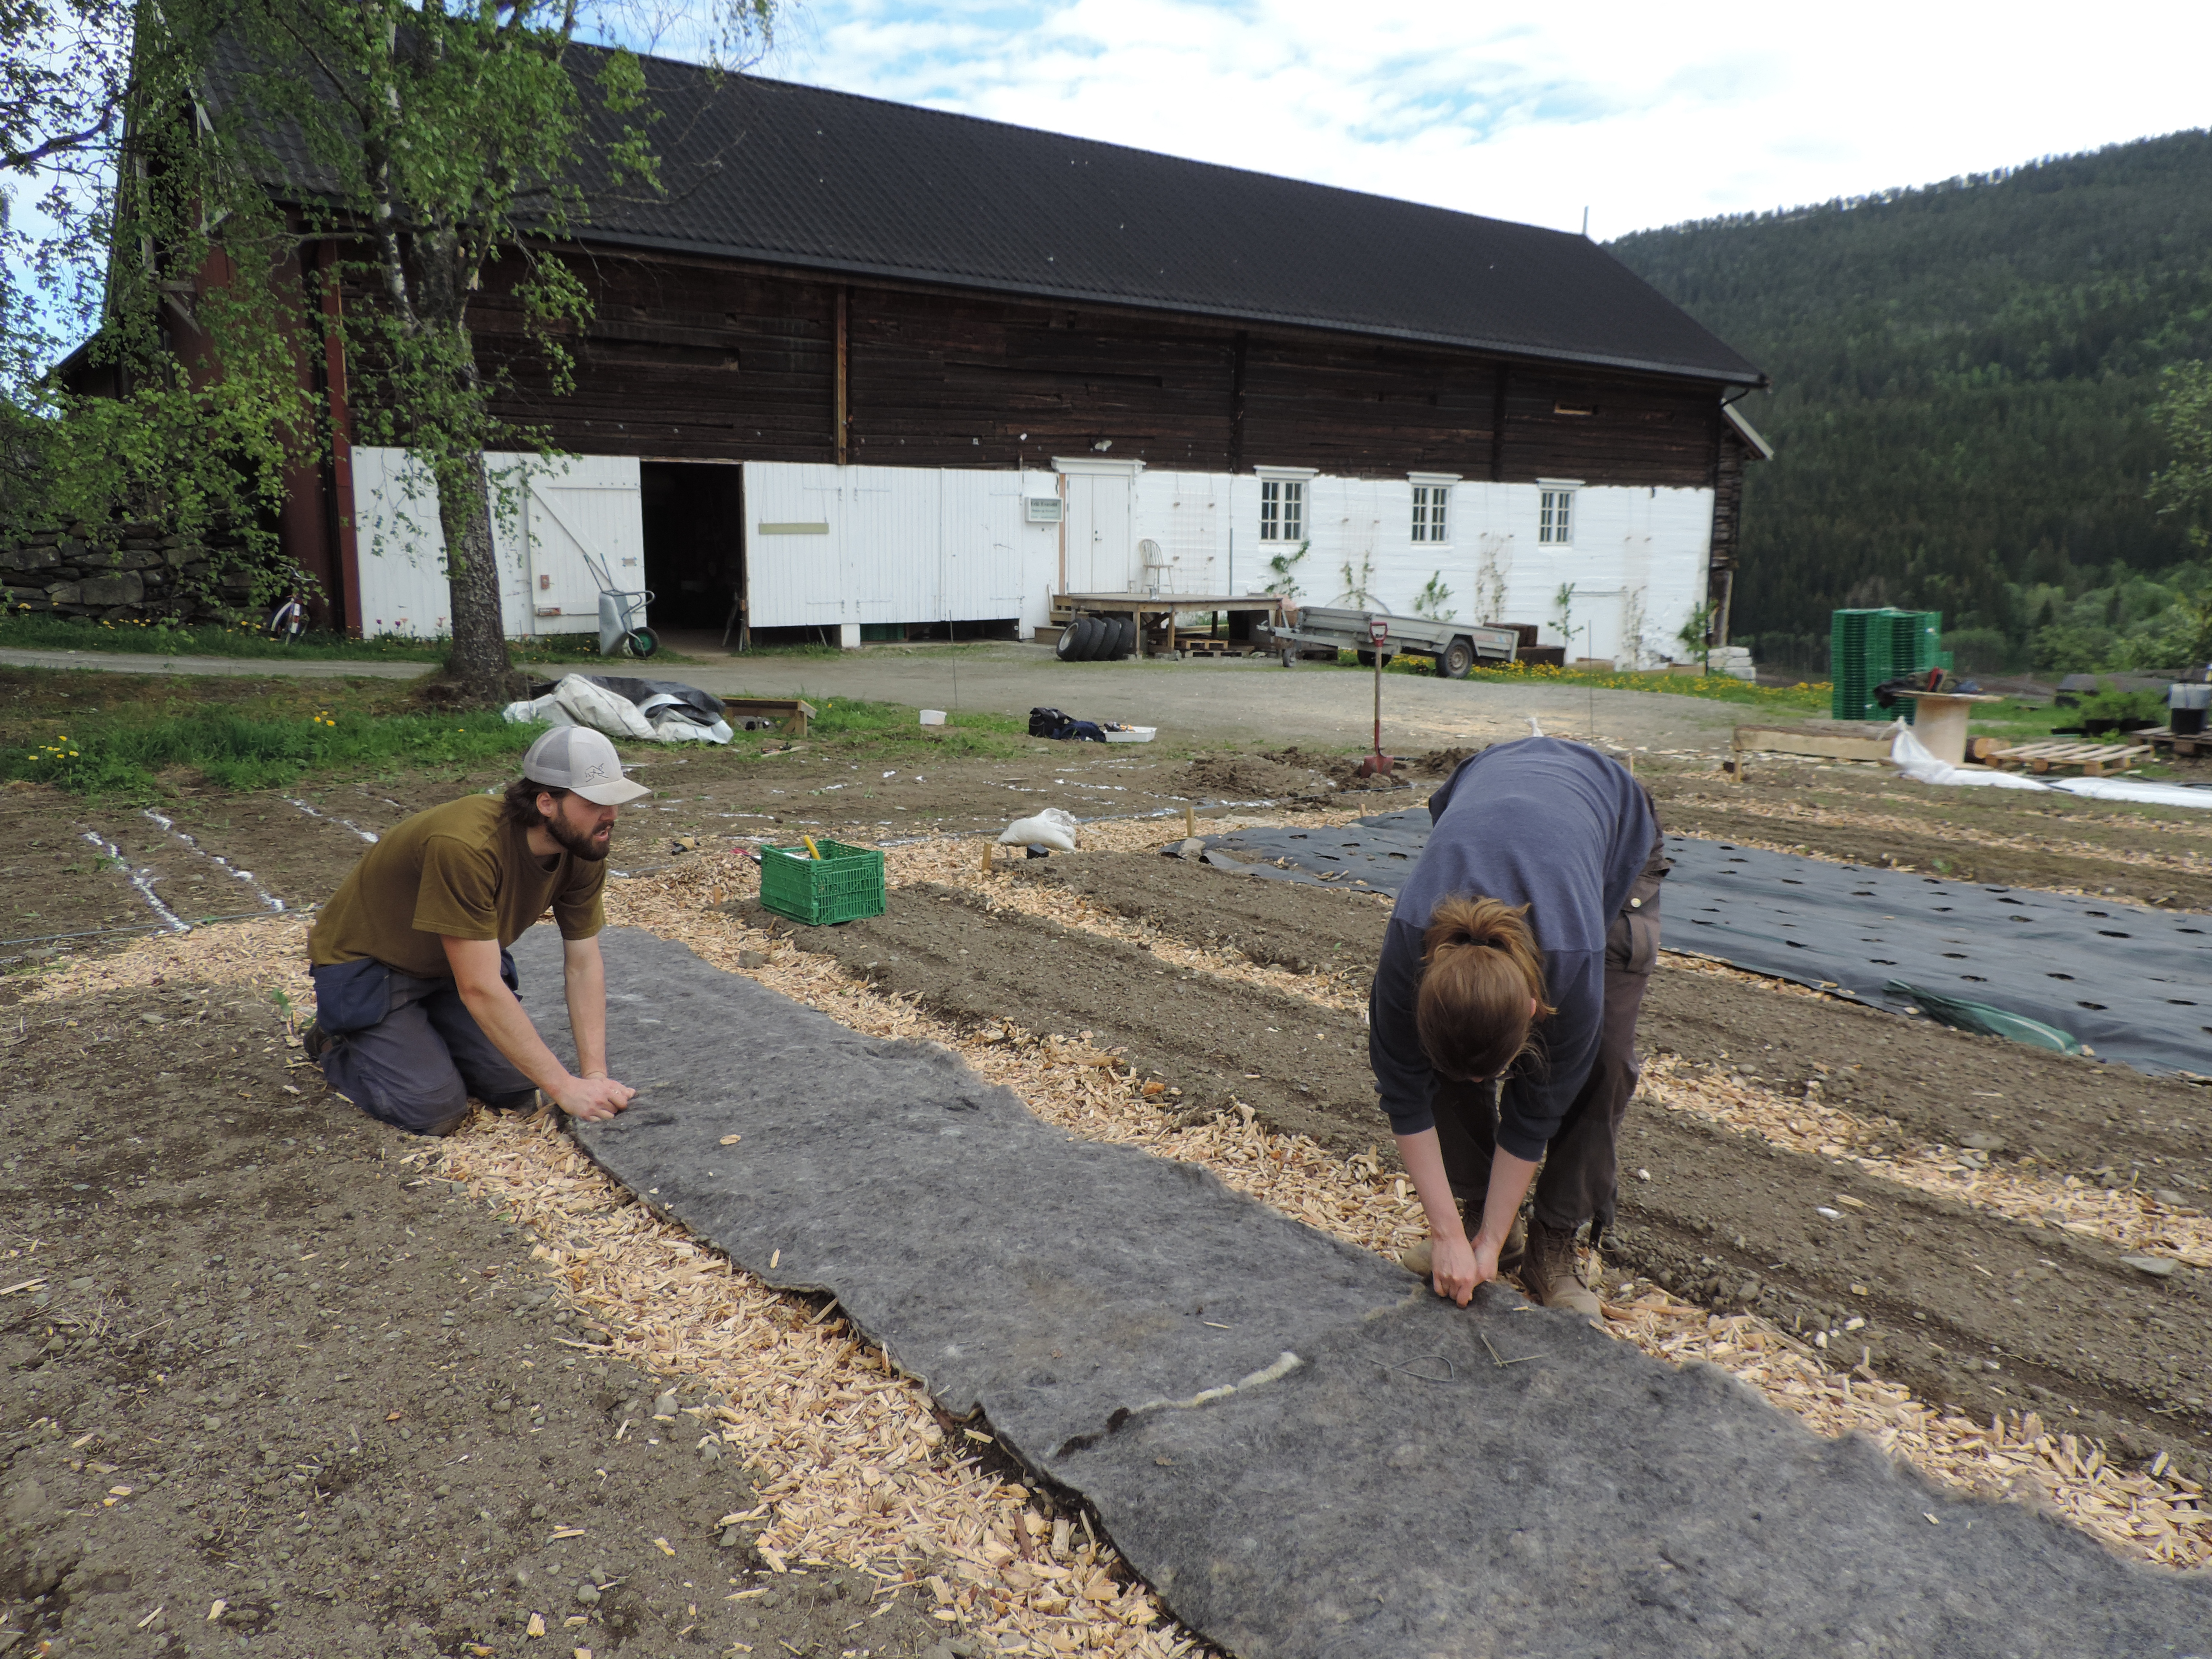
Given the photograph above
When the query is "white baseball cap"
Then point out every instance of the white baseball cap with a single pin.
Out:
(577, 759)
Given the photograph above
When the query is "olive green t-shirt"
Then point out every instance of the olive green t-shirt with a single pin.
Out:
(455, 871)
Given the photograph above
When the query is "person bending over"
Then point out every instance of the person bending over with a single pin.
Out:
(415, 992)
(1502, 1024)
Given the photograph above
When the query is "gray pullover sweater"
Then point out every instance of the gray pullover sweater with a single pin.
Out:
(1554, 825)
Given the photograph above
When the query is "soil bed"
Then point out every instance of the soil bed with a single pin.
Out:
(1969, 1308)
(253, 1364)
(298, 843)
(228, 1394)
(1866, 816)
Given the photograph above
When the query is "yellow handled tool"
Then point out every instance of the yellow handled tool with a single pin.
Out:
(812, 851)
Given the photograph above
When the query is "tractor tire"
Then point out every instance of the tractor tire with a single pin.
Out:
(1125, 639)
(1092, 640)
(1068, 647)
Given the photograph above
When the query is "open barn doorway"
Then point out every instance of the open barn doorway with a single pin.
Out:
(694, 543)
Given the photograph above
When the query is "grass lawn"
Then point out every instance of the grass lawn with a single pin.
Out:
(895, 728)
(1807, 700)
(50, 633)
(125, 735)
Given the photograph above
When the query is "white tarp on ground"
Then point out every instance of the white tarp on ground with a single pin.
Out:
(576, 702)
(1911, 756)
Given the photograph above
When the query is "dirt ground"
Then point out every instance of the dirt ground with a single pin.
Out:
(71, 864)
(248, 1358)
(264, 1383)
(1946, 1293)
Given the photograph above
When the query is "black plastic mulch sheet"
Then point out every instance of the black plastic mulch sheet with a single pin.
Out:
(2134, 984)
(1303, 1450)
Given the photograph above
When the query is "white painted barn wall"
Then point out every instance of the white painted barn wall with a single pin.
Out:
(915, 544)
(894, 544)
(545, 515)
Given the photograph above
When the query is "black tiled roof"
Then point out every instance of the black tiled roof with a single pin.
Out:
(798, 176)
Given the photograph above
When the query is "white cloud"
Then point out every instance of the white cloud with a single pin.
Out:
(1647, 115)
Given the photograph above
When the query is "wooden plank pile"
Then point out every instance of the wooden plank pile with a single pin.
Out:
(2092, 758)
(2183, 745)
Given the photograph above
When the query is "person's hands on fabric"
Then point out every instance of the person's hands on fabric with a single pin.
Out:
(592, 1099)
(1486, 1250)
(476, 976)
(1456, 1267)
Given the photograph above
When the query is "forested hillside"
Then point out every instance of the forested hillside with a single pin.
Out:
(1963, 380)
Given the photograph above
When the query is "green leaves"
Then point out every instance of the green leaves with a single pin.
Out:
(1432, 598)
(629, 158)
(1964, 380)
(2184, 414)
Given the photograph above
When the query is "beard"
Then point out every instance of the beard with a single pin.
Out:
(584, 844)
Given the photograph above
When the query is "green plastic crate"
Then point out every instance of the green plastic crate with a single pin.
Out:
(1860, 650)
(1865, 648)
(844, 885)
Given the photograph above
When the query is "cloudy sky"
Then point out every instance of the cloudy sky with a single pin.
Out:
(1644, 114)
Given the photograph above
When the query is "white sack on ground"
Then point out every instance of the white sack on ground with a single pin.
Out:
(576, 702)
(1054, 828)
(675, 720)
(674, 728)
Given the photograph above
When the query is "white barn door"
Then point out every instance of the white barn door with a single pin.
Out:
(565, 510)
(1101, 551)
(545, 515)
(402, 548)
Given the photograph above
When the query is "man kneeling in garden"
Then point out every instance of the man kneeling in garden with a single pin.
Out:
(415, 991)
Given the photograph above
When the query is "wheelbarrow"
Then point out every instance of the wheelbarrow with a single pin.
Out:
(623, 631)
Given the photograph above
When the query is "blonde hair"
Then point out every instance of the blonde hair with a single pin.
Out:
(1480, 971)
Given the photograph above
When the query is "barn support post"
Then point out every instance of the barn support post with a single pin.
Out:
(844, 391)
(1498, 429)
(304, 519)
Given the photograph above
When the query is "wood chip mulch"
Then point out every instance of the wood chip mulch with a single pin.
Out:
(2129, 1217)
(860, 1469)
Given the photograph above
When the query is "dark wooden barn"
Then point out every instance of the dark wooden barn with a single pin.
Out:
(837, 282)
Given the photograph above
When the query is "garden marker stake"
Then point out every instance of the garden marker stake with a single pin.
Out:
(1379, 634)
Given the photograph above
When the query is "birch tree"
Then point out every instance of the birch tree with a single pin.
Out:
(447, 135)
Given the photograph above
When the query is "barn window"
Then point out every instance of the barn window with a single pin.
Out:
(1282, 510)
(1430, 503)
(1555, 517)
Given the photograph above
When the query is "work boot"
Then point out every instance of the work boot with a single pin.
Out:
(1553, 1272)
(313, 1040)
(1419, 1259)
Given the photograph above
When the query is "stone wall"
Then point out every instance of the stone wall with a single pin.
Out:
(134, 571)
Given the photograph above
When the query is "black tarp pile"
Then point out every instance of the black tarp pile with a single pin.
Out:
(1303, 1451)
(2134, 984)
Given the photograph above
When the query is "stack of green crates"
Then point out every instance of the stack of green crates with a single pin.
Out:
(1865, 648)
(844, 885)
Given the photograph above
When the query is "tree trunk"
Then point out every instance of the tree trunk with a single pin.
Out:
(478, 667)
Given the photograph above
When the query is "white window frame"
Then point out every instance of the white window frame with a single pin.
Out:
(1555, 511)
(1283, 503)
(1431, 526)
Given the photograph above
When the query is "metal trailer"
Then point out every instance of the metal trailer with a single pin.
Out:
(1456, 646)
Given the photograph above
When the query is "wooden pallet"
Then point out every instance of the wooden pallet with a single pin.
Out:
(1201, 644)
(2162, 737)
(2092, 758)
